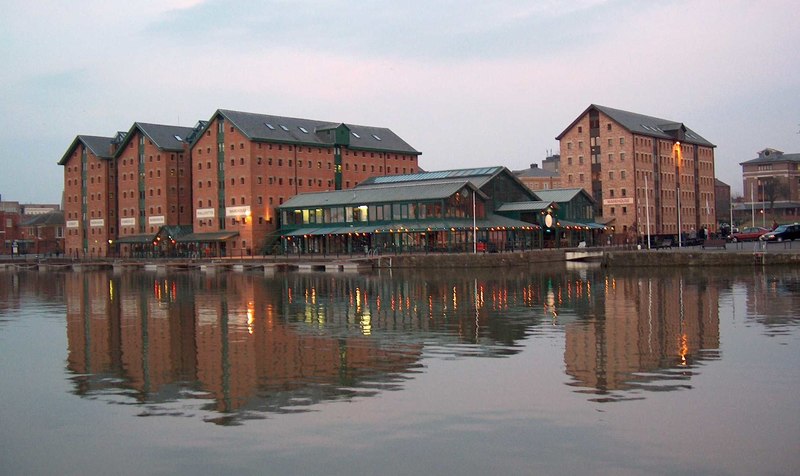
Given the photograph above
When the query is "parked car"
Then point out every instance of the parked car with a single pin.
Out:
(782, 233)
(751, 233)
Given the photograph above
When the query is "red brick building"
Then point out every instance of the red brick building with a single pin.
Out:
(89, 203)
(10, 232)
(153, 184)
(244, 165)
(771, 187)
(536, 178)
(43, 233)
(629, 162)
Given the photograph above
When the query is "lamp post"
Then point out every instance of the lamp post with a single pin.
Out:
(676, 151)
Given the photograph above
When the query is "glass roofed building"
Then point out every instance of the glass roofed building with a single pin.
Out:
(450, 211)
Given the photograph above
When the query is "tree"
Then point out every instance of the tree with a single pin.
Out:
(773, 190)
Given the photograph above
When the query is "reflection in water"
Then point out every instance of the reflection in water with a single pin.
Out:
(648, 335)
(235, 346)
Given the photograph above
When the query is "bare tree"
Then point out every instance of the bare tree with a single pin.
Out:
(773, 190)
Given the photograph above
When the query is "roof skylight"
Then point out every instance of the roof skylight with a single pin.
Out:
(355, 134)
(269, 126)
(303, 129)
(376, 137)
(284, 128)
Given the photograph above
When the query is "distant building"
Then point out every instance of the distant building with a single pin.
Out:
(772, 187)
(538, 179)
(552, 163)
(30, 228)
(722, 201)
(629, 163)
(10, 232)
(43, 233)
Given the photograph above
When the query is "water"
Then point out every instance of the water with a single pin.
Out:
(489, 372)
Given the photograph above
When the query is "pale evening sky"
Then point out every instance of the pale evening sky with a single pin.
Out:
(468, 83)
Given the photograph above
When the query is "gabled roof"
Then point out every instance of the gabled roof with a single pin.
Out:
(772, 156)
(563, 195)
(535, 172)
(478, 176)
(167, 138)
(371, 195)
(99, 146)
(292, 130)
(534, 206)
(53, 218)
(644, 125)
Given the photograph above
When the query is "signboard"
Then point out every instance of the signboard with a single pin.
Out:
(204, 213)
(242, 211)
(97, 222)
(618, 201)
(73, 224)
(127, 222)
(156, 220)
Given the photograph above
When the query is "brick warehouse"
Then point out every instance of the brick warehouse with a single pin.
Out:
(213, 188)
(629, 162)
(245, 165)
(89, 203)
(153, 183)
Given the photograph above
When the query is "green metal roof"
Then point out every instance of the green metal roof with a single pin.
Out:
(562, 195)
(373, 195)
(428, 176)
(526, 206)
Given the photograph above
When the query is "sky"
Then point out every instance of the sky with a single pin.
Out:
(468, 83)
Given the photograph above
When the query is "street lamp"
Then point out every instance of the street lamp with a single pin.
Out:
(676, 151)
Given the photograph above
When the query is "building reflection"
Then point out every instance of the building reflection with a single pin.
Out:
(235, 346)
(646, 334)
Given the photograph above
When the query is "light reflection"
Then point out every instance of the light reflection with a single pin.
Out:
(610, 346)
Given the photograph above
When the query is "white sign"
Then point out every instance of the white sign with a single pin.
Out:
(97, 222)
(204, 213)
(618, 201)
(127, 222)
(238, 211)
(37, 211)
(73, 224)
(157, 220)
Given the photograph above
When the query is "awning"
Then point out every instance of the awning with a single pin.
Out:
(572, 224)
(492, 222)
(135, 239)
(207, 237)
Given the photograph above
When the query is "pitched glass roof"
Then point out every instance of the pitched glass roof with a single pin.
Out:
(425, 176)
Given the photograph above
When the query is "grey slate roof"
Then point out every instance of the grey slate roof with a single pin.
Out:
(162, 136)
(292, 130)
(99, 146)
(54, 218)
(535, 172)
(371, 195)
(772, 156)
(562, 195)
(644, 125)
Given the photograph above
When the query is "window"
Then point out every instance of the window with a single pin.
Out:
(621, 141)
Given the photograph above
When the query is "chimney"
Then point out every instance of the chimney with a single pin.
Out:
(534, 166)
